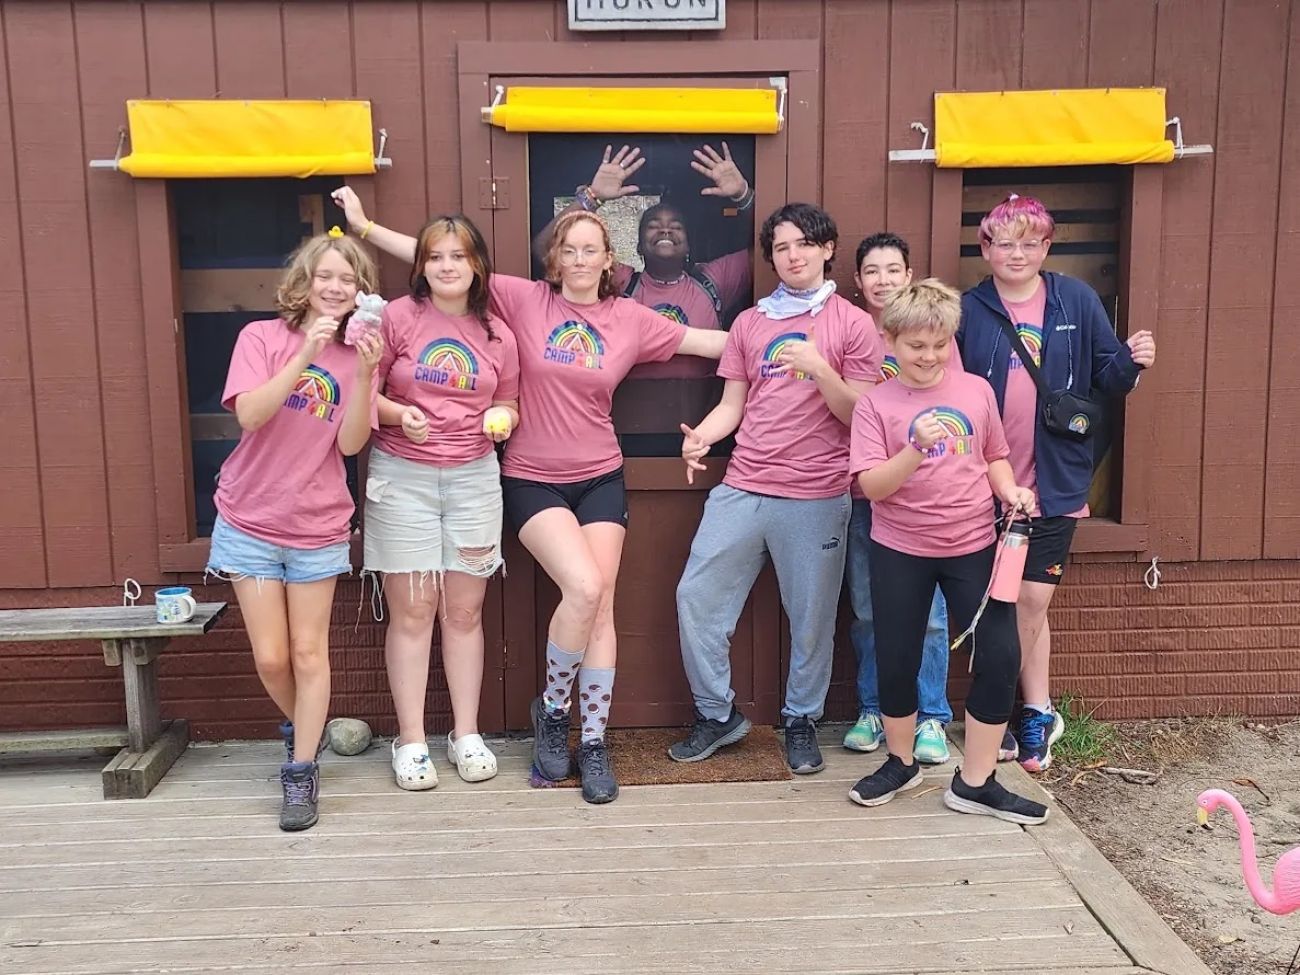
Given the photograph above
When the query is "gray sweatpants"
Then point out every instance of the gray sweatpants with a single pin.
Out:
(807, 542)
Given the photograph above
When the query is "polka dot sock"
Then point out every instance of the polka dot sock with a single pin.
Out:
(561, 670)
(595, 691)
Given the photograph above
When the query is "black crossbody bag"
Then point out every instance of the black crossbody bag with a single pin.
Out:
(1065, 413)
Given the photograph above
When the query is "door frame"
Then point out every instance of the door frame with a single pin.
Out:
(482, 64)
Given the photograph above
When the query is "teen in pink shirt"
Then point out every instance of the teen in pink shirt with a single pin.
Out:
(794, 367)
(563, 474)
(930, 453)
(433, 492)
(304, 400)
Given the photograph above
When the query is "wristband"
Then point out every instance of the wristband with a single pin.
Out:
(370, 225)
(586, 199)
(923, 451)
(745, 200)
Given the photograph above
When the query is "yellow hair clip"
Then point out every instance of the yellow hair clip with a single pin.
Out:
(335, 232)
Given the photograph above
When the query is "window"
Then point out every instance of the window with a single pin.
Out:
(1087, 204)
(233, 237)
(656, 398)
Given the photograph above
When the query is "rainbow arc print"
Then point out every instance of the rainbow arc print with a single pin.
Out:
(770, 366)
(316, 393)
(1032, 337)
(888, 369)
(449, 363)
(959, 431)
(674, 313)
(574, 343)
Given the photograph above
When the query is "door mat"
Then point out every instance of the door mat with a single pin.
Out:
(640, 757)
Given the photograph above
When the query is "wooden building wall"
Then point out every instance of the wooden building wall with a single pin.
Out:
(76, 468)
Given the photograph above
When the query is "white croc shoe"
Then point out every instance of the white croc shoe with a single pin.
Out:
(412, 766)
(473, 759)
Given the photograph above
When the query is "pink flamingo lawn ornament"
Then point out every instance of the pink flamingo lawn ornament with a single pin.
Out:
(1285, 895)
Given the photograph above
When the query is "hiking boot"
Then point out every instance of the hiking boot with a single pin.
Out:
(286, 732)
(598, 782)
(708, 735)
(301, 784)
(931, 744)
(551, 759)
(1038, 733)
(801, 751)
(991, 799)
(886, 782)
(1009, 750)
(866, 735)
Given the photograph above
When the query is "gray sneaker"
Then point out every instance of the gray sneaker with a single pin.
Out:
(551, 759)
(708, 735)
(598, 782)
(286, 732)
(801, 751)
(301, 784)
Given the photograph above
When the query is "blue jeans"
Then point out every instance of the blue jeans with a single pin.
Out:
(932, 683)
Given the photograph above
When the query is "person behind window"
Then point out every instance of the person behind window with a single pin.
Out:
(304, 400)
(1062, 325)
(930, 452)
(884, 266)
(563, 473)
(433, 511)
(794, 367)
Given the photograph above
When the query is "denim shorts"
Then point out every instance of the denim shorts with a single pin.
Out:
(236, 555)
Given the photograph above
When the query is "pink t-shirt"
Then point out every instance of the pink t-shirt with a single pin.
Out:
(686, 301)
(790, 444)
(946, 507)
(285, 481)
(449, 369)
(571, 358)
(1020, 402)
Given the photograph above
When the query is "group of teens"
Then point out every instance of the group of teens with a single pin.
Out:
(861, 443)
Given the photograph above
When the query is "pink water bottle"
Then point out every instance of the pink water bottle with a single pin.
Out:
(1010, 568)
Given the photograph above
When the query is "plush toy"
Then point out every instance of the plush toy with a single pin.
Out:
(366, 318)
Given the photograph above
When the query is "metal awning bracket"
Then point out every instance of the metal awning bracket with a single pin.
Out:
(117, 156)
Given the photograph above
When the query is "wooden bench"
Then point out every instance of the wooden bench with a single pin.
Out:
(132, 639)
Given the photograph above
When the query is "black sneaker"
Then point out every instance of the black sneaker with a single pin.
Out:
(301, 784)
(598, 782)
(886, 782)
(801, 751)
(551, 759)
(991, 799)
(708, 735)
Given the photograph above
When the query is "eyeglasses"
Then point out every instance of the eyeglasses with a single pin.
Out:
(1010, 246)
(589, 255)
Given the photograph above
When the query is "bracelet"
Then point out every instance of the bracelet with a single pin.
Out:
(369, 226)
(923, 451)
(586, 199)
(746, 199)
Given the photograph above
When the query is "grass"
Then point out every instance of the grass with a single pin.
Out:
(1087, 740)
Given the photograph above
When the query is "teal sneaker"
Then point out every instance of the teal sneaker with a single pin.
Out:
(866, 735)
(931, 745)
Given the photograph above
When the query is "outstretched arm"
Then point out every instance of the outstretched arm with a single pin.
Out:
(607, 184)
(728, 181)
(389, 241)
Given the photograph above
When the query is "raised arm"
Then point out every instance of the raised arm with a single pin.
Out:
(391, 242)
(607, 184)
(728, 181)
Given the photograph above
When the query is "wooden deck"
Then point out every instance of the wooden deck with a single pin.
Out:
(499, 878)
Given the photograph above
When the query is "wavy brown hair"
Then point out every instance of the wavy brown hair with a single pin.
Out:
(476, 252)
(559, 230)
(294, 292)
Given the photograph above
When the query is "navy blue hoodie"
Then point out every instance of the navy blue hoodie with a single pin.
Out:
(1080, 352)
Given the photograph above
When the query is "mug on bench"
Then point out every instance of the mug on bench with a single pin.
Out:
(174, 604)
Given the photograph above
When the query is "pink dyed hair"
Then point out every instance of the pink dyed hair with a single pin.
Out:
(1017, 216)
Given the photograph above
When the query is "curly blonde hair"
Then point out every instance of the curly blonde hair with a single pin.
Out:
(291, 297)
(559, 230)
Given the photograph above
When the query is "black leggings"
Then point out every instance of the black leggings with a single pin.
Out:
(902, 587)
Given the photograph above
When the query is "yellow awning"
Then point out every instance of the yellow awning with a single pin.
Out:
(725, 110)
(1071, 127)
(229, 137)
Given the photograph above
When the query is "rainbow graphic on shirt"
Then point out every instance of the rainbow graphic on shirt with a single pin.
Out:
(888, 369)
(574, 343)
(959, 432)
(449, 363)
(673, 313)
(316, 393)
(770, 367)
(1032, 337)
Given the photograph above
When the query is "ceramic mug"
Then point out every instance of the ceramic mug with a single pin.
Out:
(174, 604)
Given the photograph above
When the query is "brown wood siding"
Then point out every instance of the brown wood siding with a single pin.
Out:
(79, 486)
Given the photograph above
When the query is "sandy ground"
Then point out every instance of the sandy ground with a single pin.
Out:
(1193, 875)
